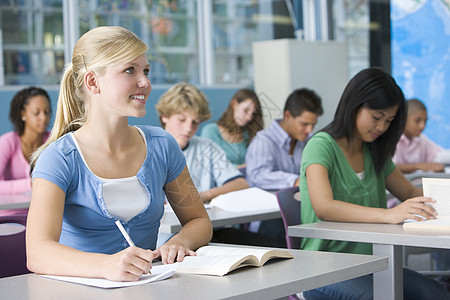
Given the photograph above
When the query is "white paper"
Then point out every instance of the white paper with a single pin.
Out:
(158, 273)
(246, 200)
(439, 190)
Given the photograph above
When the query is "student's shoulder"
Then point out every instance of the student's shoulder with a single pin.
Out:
(266, 135)
(211, 127)
(321, 139)
(153, 131)
(322, 136)
(64, 145)
(198, 141)
(10, 137)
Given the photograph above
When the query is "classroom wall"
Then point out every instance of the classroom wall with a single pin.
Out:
(218, 98)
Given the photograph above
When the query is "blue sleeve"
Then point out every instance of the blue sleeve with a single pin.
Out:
(176, 160)
(53, 165)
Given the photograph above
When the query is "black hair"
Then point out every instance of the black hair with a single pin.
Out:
(371, 88)
(414, 105)
(302, 100)
(18, 103)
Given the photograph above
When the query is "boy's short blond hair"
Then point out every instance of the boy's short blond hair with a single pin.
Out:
(183, 97)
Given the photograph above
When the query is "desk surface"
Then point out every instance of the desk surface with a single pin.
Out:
(392, 234)
(387, 240)
(308, 270)
(219, 218)
(14, 201)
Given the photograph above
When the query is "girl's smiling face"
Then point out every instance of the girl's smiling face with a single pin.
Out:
(126, 87)
(371, 123)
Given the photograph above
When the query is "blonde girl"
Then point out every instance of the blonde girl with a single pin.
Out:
(96, 169)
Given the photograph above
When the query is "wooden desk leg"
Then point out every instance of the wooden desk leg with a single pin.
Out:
(388, 284)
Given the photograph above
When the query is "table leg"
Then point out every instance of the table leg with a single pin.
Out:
(388, 284)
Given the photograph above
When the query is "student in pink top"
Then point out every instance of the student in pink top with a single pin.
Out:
(414, 150)
(29, 113)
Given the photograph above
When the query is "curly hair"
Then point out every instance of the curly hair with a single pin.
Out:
(18, 103)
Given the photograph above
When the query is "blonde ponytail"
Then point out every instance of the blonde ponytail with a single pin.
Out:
(70, 111)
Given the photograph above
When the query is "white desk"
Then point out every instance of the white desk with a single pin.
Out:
(219, 218)
(14, 201)
(280, 278)
(387, 240)
(414, 177)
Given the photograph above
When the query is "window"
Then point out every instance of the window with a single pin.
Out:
(33, 42)
(205, 42)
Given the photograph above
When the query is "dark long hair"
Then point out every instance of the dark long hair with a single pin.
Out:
(18, 103)
(371, 88)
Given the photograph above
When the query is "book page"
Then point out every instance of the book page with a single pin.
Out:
(441, 224)
(246, 200)
(158, 273)
(214, 265)
(439, 190)
(258, 253)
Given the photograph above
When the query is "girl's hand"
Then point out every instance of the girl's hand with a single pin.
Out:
(168, 253)
(411, 209)
(433, 167)
(128, 264)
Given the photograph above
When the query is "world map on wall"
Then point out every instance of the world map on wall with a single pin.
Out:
(420, 44)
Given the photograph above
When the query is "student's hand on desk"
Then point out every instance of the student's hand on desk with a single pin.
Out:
(205, 196)
(128, 264)
(169, 252)
(411, 209)
(433, 167)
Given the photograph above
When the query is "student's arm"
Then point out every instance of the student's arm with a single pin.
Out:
(425, 166)
(329, 209)
(7, 152)
(232, 185)
(187, 205)
(45, 255)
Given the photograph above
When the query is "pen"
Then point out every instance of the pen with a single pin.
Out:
(126, 236)
(124, 233)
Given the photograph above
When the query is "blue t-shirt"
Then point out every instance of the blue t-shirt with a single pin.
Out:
(87, 224)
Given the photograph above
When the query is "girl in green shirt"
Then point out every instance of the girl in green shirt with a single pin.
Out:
(345, 171)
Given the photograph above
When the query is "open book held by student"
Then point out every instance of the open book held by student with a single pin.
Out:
(217, 260)
(439, 190)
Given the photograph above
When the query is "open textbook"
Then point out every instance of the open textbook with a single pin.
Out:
(218, 260)
(158, 273)
(439, 190)
(250, 199)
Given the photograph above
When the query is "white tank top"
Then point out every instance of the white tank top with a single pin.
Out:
(124, 197)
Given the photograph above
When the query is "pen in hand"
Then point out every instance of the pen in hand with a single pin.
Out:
(125, 234)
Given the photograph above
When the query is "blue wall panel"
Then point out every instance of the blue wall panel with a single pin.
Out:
(217, 97)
